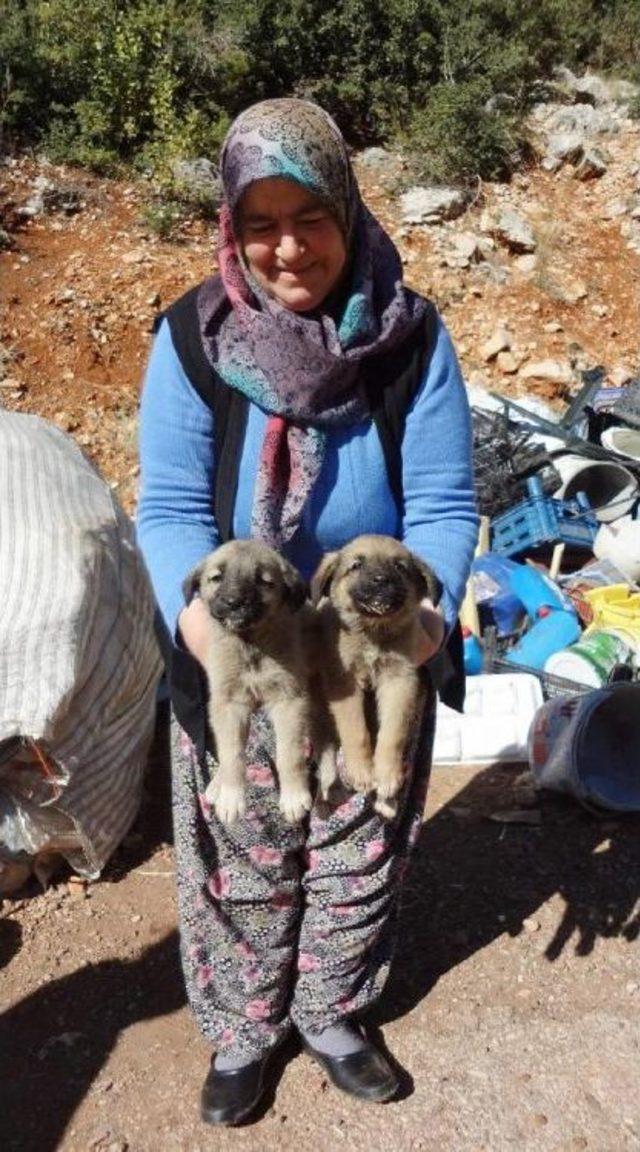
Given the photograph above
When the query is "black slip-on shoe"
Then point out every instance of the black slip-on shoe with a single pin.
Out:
(365, 1073)
(228, 1097)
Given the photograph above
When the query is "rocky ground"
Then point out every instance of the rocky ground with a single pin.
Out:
(514, 1007)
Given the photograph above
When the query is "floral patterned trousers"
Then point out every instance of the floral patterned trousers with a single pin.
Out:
(285, 923)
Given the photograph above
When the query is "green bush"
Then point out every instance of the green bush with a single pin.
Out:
(146, 81)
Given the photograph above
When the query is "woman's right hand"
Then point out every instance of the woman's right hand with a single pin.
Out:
(195, 626)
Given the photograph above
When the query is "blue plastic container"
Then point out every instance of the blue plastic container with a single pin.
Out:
(549, 635)
(535, 591)
(542, 520)
(507, 611)
(473, 655)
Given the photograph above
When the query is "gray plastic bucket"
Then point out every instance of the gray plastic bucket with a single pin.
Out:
(610, 488)
(589, 746)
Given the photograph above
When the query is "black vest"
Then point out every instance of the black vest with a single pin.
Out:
(391, 381)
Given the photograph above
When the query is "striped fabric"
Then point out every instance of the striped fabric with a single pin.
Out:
(79, 665)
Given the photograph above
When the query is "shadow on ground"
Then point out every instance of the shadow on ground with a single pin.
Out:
(473, 879)
(55, 1041)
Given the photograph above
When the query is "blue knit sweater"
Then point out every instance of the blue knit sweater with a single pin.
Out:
(176, 524)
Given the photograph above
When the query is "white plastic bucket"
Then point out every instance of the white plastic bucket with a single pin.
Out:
(624, 441)
(589, 746)
(620, 543)
(610, 487)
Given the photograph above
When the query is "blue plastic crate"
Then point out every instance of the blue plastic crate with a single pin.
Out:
(542, 520)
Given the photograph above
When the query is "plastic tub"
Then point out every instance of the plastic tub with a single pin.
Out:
(610, 488)
(589, 747)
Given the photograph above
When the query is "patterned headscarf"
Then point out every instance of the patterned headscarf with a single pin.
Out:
(302, 369)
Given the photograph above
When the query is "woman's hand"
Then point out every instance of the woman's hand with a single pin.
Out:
(195, 625)
(433, 630)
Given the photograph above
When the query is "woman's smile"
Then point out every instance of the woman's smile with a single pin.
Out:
(292, 244)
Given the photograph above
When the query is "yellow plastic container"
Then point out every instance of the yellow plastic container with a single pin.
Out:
(615, 607)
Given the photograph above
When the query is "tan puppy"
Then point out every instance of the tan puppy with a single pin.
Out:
(257, 658)
(369, 595)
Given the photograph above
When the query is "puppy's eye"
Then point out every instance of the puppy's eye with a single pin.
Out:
(401, 565)
(266, 579)
(214, 577)
(355, 564)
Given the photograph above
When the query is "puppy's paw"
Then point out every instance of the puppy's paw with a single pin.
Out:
(359, 776)
(327, 774)
(387, 808)
(386, 803)
(295, 803)
(228, 800)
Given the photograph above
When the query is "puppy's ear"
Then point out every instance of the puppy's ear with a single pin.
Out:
(426, 580)
(321, 580)
(296, 590)
(191, 583)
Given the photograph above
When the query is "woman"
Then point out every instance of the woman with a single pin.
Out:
(307, 320)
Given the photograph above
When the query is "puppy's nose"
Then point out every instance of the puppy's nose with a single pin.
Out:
(231, 602)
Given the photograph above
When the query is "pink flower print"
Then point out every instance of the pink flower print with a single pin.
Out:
(356, 883)
(374, 849)
(349, 807)
(346, 1007)
(340, 909)
(205, 806)
(204, 975)
(251, 975)
(245, 950)
(260, 774)
(186, 744)
(219, 883)
(193, 952)
(257, 1009)
(312, 859)
(281, 899)
(261, 854)
(227, 1038)
(307, 962)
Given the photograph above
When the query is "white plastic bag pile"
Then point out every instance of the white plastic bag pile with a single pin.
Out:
(79, 665)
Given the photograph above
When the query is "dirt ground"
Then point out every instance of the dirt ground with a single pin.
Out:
(514, 1003)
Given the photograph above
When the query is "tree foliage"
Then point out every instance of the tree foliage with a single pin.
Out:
(102, 81)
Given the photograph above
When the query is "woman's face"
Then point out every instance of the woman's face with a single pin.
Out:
(292, 244)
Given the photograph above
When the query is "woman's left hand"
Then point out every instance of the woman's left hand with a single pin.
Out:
(433, 631)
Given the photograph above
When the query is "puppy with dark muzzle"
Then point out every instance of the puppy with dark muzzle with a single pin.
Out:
(258, 657)
(368, 596)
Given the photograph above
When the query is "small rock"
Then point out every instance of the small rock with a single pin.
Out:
(431, 205)
(468, 246)
(10, 383)
(135, 257)
(632, 987)
(513, 231)
(570, 290)
(379, 158)
(507, 363)
(563, 148)
(77, 886)
(540, 1120)
(620, 375)
(154, 300)
(499, 342)
(553, 326)
(526, 264)
(593, 164)
(531, 925)
(614, 209)
(555, 371)
(198, 181)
